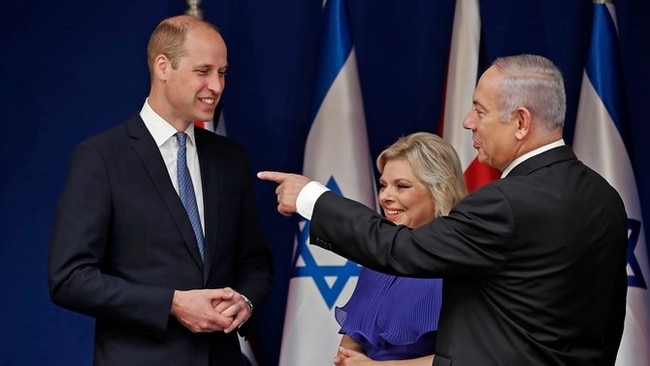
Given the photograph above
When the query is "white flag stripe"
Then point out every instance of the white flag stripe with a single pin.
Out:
(247, 351)
(336, 151)
(310, 334)
(337, 142)
(598, 144)
(462, 74)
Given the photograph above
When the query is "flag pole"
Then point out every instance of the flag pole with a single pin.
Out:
(194, 8)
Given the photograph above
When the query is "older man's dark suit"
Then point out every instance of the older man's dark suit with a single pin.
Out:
(122, 243)
(534, 265)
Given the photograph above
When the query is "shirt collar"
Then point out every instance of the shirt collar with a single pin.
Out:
(530, 154)
(161, 130)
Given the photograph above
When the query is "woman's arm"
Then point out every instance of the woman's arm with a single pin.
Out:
(349, 343)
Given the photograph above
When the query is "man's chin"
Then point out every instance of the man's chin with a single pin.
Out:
(482, 158)
(204, 117)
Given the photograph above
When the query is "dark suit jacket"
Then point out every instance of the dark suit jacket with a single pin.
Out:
(534, 265)
(122, 243)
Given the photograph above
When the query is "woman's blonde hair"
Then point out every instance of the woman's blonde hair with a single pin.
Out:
(434, 162)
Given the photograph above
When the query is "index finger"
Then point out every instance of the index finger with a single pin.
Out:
(277, 177)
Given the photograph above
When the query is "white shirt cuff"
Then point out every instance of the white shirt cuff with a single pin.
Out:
(307, 198)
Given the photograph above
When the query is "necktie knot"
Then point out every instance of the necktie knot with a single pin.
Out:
(181, 137)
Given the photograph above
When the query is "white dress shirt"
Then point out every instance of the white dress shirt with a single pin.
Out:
(163, 135)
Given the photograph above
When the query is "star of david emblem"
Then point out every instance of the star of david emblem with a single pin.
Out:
(636, 278)
(329, 279)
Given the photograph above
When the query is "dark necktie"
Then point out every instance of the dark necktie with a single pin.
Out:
(186, 192)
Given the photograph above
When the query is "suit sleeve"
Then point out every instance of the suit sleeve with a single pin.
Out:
(78, 246)
(475, 238)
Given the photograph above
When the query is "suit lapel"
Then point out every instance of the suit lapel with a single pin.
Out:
(145, 146)
(209, 163)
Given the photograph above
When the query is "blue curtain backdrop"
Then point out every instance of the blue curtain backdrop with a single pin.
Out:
(74, 68)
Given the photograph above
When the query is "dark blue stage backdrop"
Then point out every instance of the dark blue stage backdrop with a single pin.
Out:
(70, 69)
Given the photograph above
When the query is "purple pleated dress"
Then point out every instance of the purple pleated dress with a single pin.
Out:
(393, 318)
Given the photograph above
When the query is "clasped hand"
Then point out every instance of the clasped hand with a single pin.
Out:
(348, 357)
(210, 310)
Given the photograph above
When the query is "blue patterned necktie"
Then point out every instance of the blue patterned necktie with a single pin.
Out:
(186, 192)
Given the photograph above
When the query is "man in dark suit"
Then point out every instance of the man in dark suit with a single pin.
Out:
(534, 264)
(164, 289)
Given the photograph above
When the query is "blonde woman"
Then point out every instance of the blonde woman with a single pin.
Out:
(390, 317)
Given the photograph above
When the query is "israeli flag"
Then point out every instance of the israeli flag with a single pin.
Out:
(600, 142)
(337, 154)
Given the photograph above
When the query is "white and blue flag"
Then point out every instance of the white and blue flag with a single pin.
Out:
(337, 154)
(601, 141)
